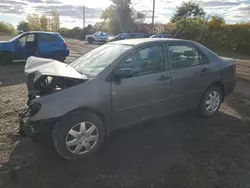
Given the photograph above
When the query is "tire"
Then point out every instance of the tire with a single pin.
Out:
(61, 135)
(5, 58)
(208, 109)
(90, 40)
(59, 56)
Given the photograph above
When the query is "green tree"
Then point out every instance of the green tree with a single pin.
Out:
(6, 28)
(34, 22)
(55, 21)
(217, 21)
(189, 9)
(121, 17)
(44, 23)
(24, 26)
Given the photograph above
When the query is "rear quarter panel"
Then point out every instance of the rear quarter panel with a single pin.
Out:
(227, 73)
(49, 49)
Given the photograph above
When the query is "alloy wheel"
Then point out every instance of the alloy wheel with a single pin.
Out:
(212, 102)
(82, 138)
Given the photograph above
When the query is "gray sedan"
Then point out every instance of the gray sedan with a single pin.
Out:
(119, 84)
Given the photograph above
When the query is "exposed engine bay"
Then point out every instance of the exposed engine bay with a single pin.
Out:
(46, 76)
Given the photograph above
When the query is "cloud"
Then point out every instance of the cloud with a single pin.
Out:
(71, 10)
(219, 3)
(13, 2)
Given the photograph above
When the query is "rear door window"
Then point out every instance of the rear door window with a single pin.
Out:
(184, 55)
(47, 38)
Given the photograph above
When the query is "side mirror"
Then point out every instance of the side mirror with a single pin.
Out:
(123, 73)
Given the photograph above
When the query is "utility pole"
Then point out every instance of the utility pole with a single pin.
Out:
(153, 17)
(83, 16)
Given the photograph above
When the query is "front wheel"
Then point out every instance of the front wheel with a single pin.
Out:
(5, 58)
(78, 135)
(210, 102)
(59, 56)
(90, 40)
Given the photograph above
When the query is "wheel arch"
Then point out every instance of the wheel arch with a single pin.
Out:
(218, 84)
(94, 111)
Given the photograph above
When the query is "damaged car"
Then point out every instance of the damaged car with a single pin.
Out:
(119, 84)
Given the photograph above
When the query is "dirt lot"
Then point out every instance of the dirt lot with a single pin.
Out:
(178, 151)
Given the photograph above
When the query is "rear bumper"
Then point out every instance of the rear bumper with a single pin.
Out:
(228, 88)
(66, 52)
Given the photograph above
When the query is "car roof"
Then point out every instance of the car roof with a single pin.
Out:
(40, 32)
(134, 42)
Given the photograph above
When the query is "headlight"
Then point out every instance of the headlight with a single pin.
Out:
(34, 108)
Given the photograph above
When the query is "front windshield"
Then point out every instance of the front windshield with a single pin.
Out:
(92, 63)
(16, 37)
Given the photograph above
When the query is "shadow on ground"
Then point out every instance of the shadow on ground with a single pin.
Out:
(178, 151)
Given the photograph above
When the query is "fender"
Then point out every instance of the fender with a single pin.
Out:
(7, 46)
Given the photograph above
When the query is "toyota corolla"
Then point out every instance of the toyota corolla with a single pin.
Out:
(119, 84)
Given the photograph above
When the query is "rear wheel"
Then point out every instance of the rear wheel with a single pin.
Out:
(78, 135)
(90, 40)
(5, 58)
(210, 102)
(59, 56)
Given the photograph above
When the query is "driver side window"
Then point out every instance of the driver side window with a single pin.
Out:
(22, 40)
(98, 34)
(145, 61)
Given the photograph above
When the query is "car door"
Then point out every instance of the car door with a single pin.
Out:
(20, 48)
(31, 44)
(191, 74)
(145, 93)
(103, 36)
(48, 45)
(97, 36)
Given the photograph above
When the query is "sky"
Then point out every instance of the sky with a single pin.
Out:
(14, 11)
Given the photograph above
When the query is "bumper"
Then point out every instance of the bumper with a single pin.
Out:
(28, 128)
(229, 88)
(67, 52)
(25, 127)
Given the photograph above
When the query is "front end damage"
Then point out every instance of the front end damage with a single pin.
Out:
(44, 77)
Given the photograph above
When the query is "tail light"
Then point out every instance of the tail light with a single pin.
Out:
(234, 65)
(66, 44)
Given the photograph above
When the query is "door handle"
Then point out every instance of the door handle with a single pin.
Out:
(163, 78)
(205, 70)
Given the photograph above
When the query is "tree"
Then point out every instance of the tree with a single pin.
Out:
(23, 26)
(189, 9)
(121, 17)
(34, 22)
(44, 23)
(55, 21)
(6, 28)
(217, 21)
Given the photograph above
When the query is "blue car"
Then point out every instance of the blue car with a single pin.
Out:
(161, 36)
(123, 36)
(38, 43)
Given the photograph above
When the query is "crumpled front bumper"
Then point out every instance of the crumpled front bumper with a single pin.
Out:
(29, 128)
(25, 126)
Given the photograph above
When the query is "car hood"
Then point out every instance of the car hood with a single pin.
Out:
(6, 46)
(45, 76)
(50, 67)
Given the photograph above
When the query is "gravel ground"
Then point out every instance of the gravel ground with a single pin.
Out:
(182, 150)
